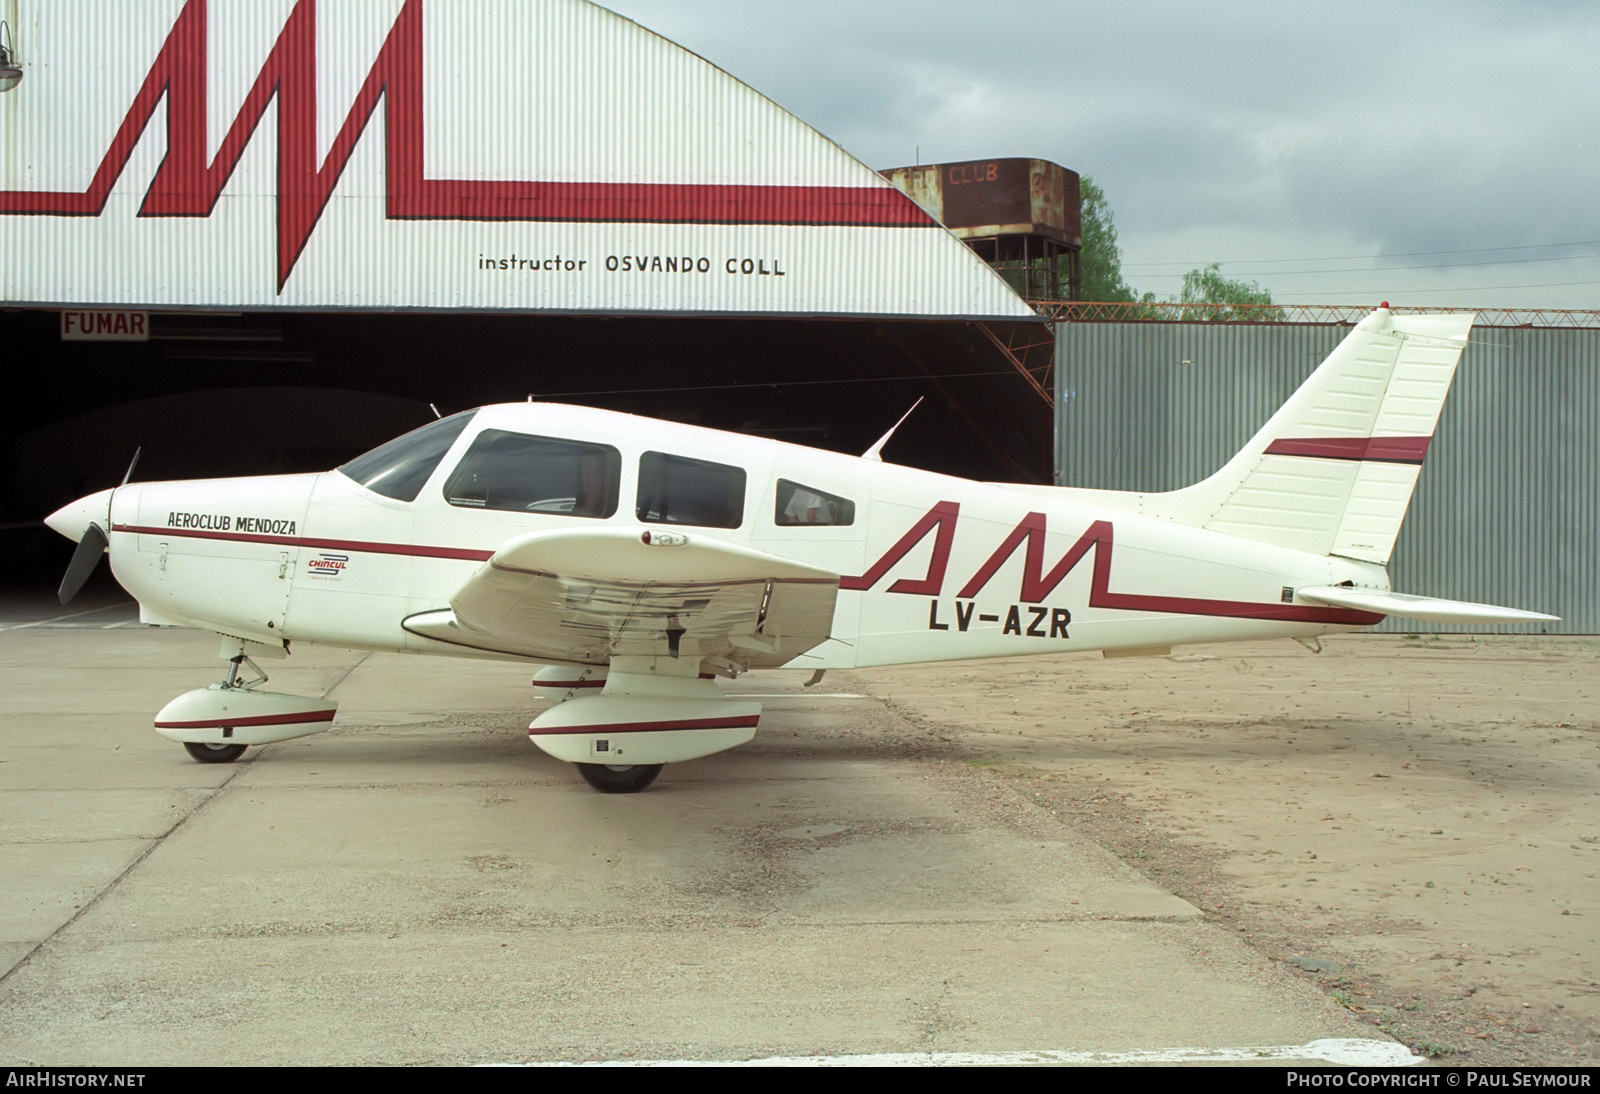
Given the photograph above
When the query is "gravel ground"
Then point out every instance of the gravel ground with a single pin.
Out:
(1409, 822)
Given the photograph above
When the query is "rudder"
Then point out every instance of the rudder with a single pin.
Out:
(1332, 472)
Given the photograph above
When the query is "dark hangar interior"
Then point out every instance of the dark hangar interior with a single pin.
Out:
(214, 394)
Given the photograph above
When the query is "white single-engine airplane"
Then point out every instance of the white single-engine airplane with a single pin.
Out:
(639, 560)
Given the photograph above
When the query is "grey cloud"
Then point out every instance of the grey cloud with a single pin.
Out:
(1301, 129)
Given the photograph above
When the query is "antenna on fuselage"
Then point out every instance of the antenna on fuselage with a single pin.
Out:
(876, 451)
(435, 410)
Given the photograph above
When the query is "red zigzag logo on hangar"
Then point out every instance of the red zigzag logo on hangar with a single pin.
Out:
(186, 185)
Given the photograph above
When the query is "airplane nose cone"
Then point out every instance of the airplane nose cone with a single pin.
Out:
(74, 518)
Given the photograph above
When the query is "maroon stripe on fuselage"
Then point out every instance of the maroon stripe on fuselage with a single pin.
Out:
(1233, 609)
(414, 549)
(1100, 596)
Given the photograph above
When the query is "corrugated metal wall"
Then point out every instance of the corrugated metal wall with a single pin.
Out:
(1507, 510)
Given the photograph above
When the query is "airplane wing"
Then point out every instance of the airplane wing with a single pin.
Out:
(585, 596)
(1430, 608)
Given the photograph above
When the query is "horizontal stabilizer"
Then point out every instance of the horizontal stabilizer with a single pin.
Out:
(1430, 608)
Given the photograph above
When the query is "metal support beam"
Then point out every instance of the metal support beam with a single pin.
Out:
(1030, 347)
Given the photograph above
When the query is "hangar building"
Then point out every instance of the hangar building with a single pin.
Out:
(315, 220)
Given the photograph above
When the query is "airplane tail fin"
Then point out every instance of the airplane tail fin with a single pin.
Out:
(1333, 470)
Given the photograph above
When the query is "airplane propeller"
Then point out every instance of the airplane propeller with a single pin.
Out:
(91, 546)
(84, 561)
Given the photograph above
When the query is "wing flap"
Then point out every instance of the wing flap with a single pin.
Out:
(1430, 608)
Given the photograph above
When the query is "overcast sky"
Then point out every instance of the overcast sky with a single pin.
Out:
(1424, 153)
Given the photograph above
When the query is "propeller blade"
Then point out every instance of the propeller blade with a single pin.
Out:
(84, 560)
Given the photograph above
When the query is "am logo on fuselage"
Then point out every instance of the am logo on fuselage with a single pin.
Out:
(1026, 618)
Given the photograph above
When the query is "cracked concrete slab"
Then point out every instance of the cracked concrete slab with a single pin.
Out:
(423, 886)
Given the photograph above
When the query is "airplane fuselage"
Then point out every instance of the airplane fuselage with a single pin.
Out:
(933, 568)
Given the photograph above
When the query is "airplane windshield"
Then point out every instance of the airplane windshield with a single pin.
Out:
(398, 469)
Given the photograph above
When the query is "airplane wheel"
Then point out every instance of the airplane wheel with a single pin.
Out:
(619, 778)
(214, 754)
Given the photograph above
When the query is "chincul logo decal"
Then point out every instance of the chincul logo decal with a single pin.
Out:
(188, 186)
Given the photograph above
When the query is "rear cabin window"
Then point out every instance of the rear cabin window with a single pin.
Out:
(678, 490)
(800, 504)
(518, 473)
(399, 468)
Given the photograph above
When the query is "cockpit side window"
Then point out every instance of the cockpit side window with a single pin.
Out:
(399, 468)
(799, 504)
(519, 473)
(680, 490)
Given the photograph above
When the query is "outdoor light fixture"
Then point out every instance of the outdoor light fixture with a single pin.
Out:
(10, 71)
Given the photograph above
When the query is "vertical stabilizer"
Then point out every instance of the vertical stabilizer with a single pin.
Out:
(1333, 470)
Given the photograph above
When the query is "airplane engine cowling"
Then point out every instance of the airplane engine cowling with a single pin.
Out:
(222, 715)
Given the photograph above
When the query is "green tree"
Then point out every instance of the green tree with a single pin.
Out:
(1100, 260)
(1100, 265)
(1247, 300)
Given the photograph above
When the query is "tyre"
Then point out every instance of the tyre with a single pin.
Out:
(619, 778)
(208, 753)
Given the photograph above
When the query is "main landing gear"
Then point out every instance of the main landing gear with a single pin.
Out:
(621, 723)
(619, 778)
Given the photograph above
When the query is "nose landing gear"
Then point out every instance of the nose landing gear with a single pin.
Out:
(216, 724)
